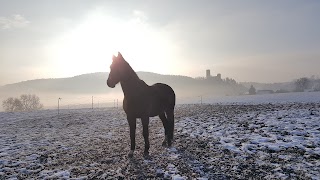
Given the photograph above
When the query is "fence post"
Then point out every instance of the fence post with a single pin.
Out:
(59, 105)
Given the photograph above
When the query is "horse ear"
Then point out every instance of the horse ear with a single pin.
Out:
(114, 57)
(120, 55)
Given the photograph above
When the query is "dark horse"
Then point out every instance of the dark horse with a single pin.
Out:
(143, 101)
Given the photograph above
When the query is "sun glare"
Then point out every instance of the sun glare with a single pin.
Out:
(89, 47)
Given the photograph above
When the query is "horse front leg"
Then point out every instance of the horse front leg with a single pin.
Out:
(145, 125)
(132, 125)
(164, 120)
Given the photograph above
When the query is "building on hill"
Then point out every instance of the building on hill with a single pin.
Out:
(209, 77)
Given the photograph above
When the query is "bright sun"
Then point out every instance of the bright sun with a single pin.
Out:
(89, 47)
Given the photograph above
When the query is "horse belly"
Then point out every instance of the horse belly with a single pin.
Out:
(138, 109)
(150, 111)
(156, 109)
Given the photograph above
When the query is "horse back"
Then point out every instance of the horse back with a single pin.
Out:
(165, 95)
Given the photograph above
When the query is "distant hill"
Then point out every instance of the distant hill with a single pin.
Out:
(86, 83)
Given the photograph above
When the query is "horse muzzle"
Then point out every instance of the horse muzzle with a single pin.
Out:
(110, 84)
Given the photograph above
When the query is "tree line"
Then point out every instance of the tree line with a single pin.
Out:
(305, 83)
(300, 85)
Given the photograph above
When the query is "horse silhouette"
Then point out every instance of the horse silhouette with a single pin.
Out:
(143, 101)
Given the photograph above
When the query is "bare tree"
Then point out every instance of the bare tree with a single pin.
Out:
(30, 102)
(12, 105)
(316, 86)
(302, 84)
(27, 102)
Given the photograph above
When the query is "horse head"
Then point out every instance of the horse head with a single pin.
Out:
(116, 70)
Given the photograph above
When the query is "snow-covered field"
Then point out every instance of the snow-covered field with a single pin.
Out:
(243, 140)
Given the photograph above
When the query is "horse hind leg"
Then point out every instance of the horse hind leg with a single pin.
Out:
(170, 126)
(166, 130)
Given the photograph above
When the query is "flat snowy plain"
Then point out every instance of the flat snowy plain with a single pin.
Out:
(248, 137)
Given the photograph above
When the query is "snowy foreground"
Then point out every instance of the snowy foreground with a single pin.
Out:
(271, 141)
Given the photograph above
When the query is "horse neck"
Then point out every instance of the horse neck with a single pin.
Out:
(130, 82)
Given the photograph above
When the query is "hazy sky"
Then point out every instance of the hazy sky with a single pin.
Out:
(262, 41)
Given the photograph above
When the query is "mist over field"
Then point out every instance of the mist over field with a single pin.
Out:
(91, 90)
(77, 91)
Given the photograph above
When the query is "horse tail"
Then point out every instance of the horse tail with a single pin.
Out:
(172, 99)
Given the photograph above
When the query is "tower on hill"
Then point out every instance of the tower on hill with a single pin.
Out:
(209, 77)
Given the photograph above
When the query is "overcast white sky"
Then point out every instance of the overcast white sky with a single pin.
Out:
(261, 41)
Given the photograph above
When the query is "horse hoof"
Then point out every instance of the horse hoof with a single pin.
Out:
(130, 155)
(164, 143)
(146, 155)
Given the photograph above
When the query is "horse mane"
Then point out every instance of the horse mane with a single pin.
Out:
(129, 71)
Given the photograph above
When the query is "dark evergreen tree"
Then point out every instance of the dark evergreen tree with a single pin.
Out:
(252, 90)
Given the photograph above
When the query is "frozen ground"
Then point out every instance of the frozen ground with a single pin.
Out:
(218, 141)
